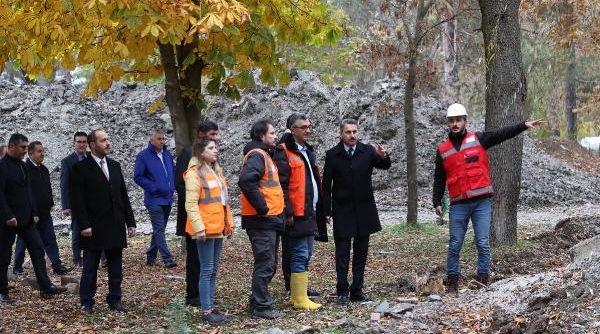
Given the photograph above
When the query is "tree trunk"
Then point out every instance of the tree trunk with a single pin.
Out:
(173, 95)
(570, 95)
(506, 89)
(450, 48)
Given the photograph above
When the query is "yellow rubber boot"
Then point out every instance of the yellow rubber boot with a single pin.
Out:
(299, 298)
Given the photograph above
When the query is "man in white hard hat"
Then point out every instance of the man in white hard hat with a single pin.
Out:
(461, 165)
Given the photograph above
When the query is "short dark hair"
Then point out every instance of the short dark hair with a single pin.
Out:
(206, 126)
(79, 134)
(293, 118)
(259, 129)
(91, 137)
(32, 145)
(17, 138)
(347, 121)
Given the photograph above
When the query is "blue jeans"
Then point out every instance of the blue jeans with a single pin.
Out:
(159, 216)
(480, 214)
(46, 229)
(298, 246)
(209, 254)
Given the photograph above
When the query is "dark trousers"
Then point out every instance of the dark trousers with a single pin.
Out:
(264, 249)
(75, 235)
(360, 248)
(35, 247)
(89, 275)
(192, 271)
(45, 228)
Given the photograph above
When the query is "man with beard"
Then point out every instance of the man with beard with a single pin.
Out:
(461, 165)
(101, 206)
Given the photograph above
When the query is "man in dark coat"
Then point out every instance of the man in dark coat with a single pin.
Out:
(348, 197)
(18, 216)
(210, 130)
(101, 206)
(80, 146)
(42, 192)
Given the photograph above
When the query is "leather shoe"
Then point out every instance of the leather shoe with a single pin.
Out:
(86, 309)
(62, 270)
(359, 297)
(5, 298)
(170, 265)
(52, 290)
(342, 300)
(118, 307)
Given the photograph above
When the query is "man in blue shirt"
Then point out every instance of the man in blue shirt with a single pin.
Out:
(154, 173)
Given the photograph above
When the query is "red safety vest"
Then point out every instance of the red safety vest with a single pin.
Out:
(268, 185)
(210, 205)
(467, 171)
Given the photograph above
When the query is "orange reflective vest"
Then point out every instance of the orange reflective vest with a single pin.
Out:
(211, 207)
(297, 186)
(269, 187)
(467, 171)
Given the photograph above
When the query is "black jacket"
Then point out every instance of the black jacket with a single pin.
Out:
(100, 204)
(487, 139)
(66, 165)
(312, 222)
(348, 190)
(252, 171)
(16, 198)
(41, 188)
(183, 159)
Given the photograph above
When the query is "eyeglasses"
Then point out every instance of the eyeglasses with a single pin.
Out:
(303, 127)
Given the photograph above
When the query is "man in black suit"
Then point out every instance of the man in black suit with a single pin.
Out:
(101, 206)
(210, 130)
(348, 195)
(42, 193)
(80, 146)
(18, 216)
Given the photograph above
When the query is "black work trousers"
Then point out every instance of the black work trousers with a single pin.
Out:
(264, 249)
(89, 275)
(192, 272)
(34, 245)
(360, 249)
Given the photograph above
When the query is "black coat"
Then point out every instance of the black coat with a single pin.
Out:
(312, 223)
(16, 198)
(66, 165)
(41, 188)
(348, 190)
(180, 167)
(102, 205)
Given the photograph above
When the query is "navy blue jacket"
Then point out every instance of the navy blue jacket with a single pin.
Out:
(66, 165)
(16, 198)
(155, 178)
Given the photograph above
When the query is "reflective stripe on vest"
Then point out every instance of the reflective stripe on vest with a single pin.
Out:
(212, 211)
(268, 185)
(208, 199)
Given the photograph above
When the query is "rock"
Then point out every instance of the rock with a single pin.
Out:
(539, 325)
(375, 316)
(30, 282)
(342, 322)
(400, 309)
(308, 330)
(73, 288)
(274, 331)
(64, 280)
(408, 300)
(382, 307)
(434, 298)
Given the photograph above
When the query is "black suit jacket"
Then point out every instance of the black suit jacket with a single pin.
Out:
(41, 189)
(102, 205)
(66, 165)
(180, 167)
(16, 198)
(348, 190)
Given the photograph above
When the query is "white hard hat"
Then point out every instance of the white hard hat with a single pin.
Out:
(456, 109)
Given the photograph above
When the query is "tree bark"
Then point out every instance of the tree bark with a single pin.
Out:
(570, 95)
(450, 49)
(506, 89)
(173, 95)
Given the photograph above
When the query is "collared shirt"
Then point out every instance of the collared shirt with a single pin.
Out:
(36, 165)
(302, 150)
(99, 165)
(80, 156)
(159, 154)
(346, 148)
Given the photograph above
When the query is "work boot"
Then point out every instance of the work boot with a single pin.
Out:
(452, 288)
(483, 279)
(299, 296)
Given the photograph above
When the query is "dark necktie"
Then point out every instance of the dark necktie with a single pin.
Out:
(350, 151)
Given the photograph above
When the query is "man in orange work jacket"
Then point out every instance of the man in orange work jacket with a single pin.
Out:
(301, 184)
(461, 165)
(262, 208)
